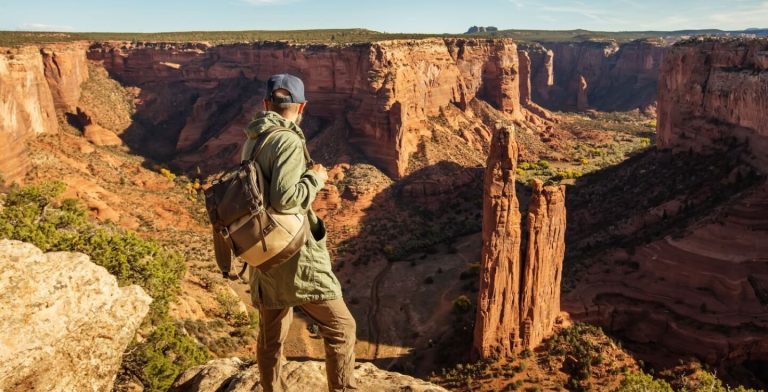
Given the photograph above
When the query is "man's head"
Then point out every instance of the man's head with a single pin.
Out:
(285, 95)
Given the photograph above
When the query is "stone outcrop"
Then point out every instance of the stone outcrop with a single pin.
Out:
(34, 83)
(519, 297)
(94, 132)
(66, 67)
(715, 89)
(601, 75)
(201, 96)
(232, 375)
(64, 323)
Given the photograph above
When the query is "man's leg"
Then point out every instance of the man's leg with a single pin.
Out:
(337, 327)
(275, 324)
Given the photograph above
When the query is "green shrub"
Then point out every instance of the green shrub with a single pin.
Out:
(641, 382)
(30, 215)
(165, 353)
(543, 164)
(462, 305)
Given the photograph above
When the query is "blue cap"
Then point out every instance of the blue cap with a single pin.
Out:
(292, 84)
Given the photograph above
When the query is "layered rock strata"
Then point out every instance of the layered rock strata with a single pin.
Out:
(715, 89)
(605, 76)
(519, 297)
(201, 96)
(64, 322)
(700, 290)
(34, 83)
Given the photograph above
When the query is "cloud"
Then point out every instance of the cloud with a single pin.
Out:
(577, 9)
(42, 27)
(518, 3)
(742, 17)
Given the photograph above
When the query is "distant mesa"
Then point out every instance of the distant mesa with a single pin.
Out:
(482, 29)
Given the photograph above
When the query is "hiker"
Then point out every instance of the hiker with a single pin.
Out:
(306, 280)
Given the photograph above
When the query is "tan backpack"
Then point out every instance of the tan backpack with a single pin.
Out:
(245, 224)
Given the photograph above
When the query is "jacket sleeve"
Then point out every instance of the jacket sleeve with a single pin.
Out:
(292, 187)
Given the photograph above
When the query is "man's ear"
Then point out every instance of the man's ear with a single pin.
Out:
(301, 107)
(266, 104)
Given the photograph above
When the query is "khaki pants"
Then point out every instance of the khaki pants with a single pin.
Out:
(336, 326)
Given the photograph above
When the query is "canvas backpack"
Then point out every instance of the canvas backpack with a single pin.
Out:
(245, 224)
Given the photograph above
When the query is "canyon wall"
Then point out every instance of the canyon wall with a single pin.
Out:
(604, 76)
(34, 83)
(698, 285)
(197, 98)
(714, 89)
(519, 296)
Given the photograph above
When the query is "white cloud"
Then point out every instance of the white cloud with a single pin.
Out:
(518, 3)
(591, 13)
(743, 17)
(43, 27)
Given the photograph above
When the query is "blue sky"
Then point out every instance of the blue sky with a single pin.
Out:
(414, 16)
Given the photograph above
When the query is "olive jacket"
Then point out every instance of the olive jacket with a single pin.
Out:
(308, 275)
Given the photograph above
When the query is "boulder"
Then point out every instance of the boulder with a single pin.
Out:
(64, 322)
(234, 375)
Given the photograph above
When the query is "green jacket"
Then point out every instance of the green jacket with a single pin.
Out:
(308, 275)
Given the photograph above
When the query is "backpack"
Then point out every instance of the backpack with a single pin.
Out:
(245, 224)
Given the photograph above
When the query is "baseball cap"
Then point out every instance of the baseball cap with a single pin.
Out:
(292, 84)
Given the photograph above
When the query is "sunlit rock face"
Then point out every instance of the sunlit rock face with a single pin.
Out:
(64, 323)
(519, 296)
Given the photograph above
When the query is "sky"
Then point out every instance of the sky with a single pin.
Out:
(393, 16)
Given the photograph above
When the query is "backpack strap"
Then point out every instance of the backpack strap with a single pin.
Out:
(265, 136)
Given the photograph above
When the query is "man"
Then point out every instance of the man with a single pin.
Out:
(306, 280)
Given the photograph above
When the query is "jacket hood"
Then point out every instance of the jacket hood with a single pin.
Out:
(265, 120)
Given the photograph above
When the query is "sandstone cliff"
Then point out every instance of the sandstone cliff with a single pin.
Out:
(715, 89)
(232, 375)
(198, 97)
(34, 83)
(601, 75)
(26, 107)
(519, 296)
(691, 276)
(64, 322)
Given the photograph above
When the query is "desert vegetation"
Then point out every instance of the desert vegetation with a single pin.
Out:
(162, 349)
(324, 36)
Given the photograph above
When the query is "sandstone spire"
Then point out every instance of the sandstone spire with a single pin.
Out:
(519, 296)
(498, 303)
(543, 263)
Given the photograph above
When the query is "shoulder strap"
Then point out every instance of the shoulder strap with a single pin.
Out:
(264, 137)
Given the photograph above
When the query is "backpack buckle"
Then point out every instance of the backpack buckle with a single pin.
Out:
(224, 232)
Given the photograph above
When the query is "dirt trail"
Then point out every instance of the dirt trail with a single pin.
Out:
(373, 312)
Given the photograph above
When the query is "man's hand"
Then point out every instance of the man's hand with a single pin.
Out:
(320, 171)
